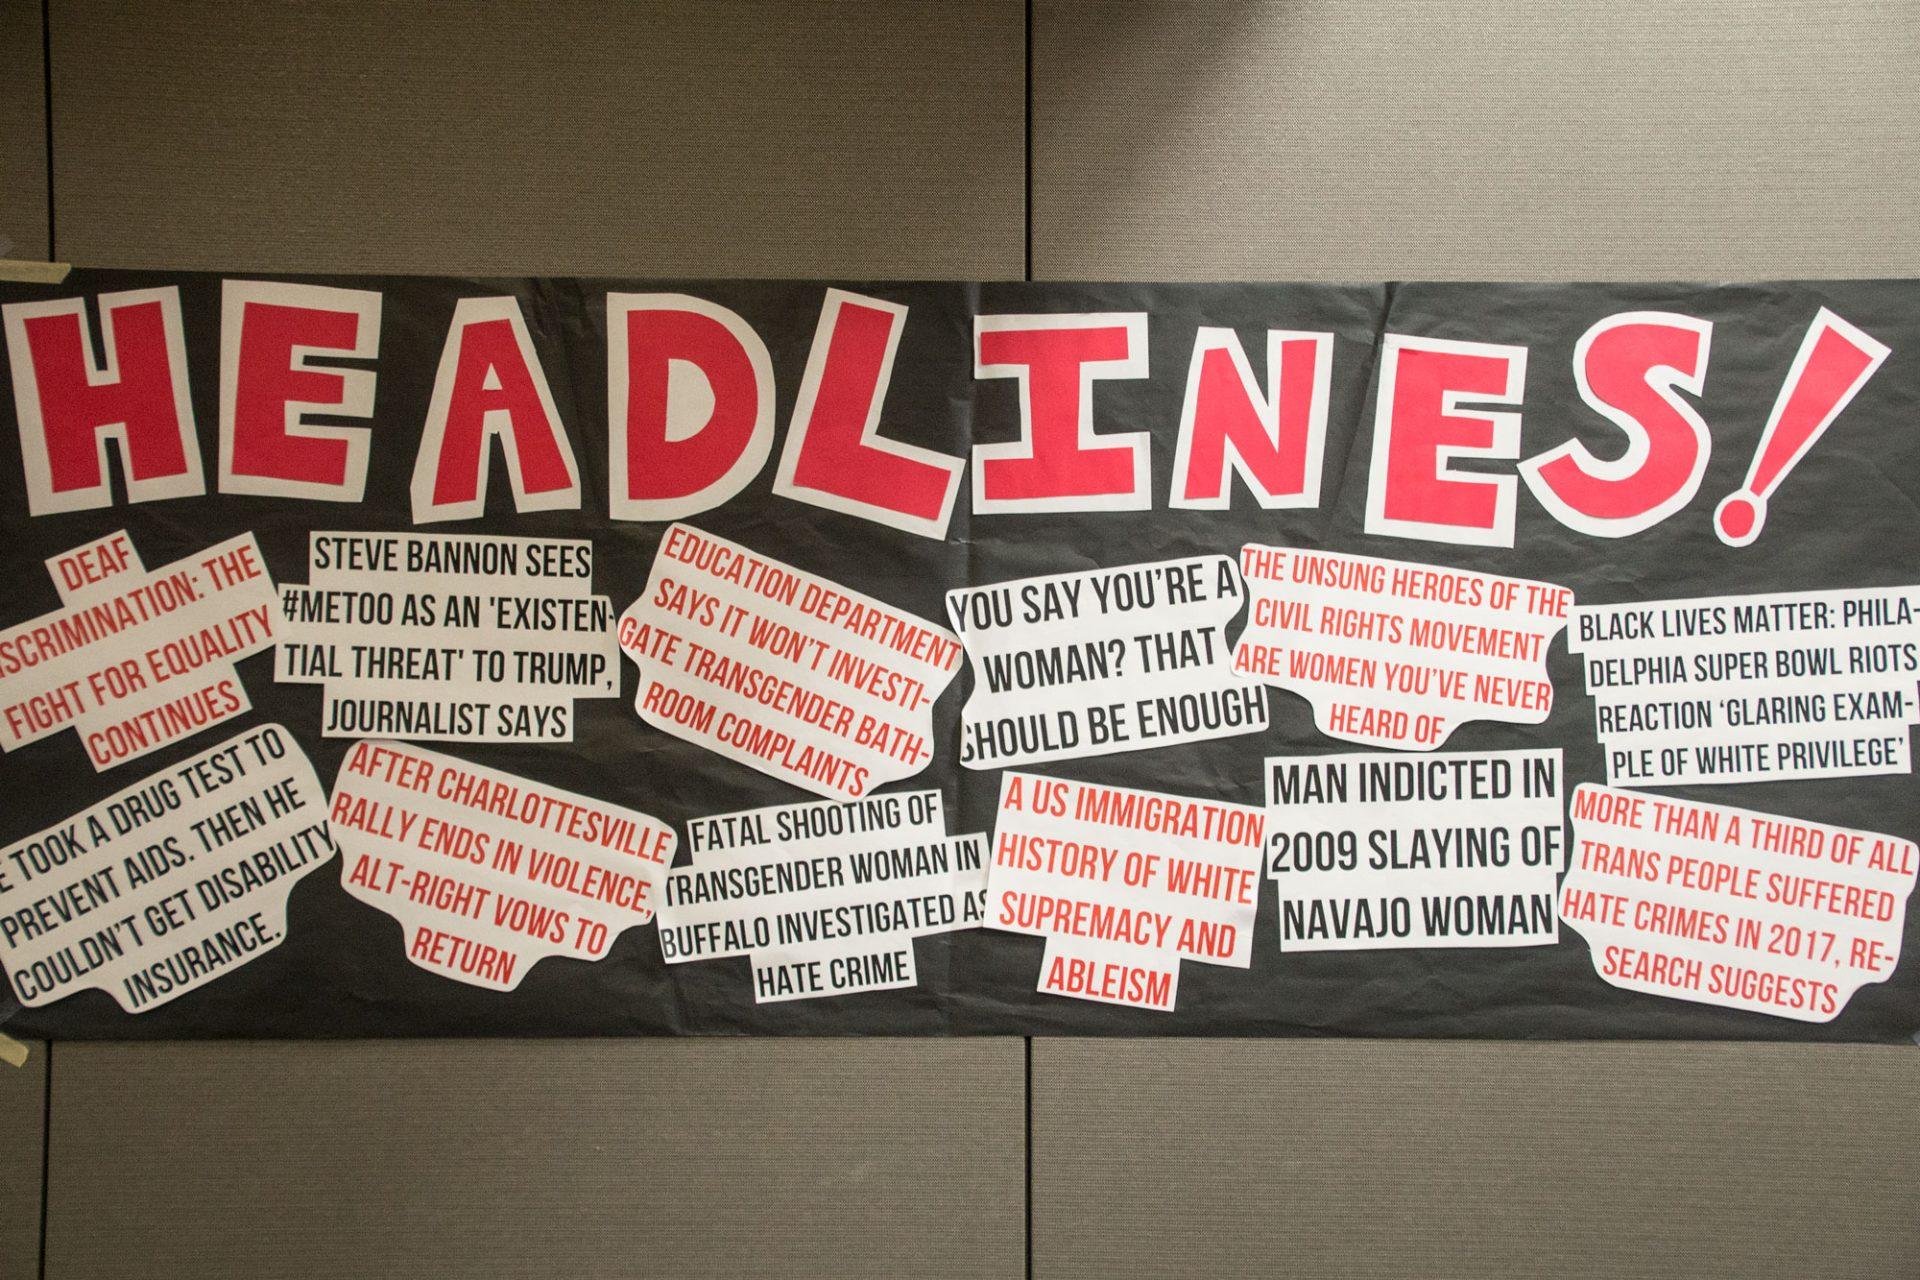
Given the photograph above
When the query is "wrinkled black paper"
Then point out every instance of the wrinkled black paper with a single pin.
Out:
(1845, 517)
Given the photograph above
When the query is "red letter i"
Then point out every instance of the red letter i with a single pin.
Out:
(1834, 362)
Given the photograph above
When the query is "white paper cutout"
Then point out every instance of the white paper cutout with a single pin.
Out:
(783, 670)
(825, 898)
(448, 637)
(1397, 654)
(135, 660)
(1455, 849)
(487, 872)
(1731, 907)
(1795, 684)
(1123, 885)
(169, 884)
(1100, 662)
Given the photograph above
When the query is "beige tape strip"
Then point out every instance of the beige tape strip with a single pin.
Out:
(12, 1052)
(20, 271)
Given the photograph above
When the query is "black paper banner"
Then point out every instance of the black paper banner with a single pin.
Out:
(392, 656)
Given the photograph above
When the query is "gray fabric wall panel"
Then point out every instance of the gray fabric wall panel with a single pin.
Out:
(1485, 139)
(1475, 139)
(23, 1100)
(23, 131)
(1614, 1162)
(548, 1159)
(593, 138)
(840, 140)
(1195, 140)
(23, 220)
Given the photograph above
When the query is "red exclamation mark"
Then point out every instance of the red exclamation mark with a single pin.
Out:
(1834, 362)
